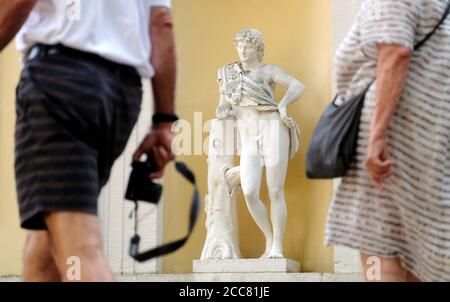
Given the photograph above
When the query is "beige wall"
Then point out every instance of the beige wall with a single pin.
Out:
(346, 260)
(11, 237)
(298, 37)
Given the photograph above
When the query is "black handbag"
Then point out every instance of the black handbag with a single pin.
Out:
(335, 138)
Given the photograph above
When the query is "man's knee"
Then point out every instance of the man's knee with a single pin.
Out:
(75, 234)
(276, 194)
(89, 251)
(251, 195)
(77, 243)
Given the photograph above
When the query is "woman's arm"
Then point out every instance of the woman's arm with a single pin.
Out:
(13, 13)
(392, 69)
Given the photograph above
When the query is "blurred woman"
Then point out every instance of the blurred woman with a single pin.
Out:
(394, 203)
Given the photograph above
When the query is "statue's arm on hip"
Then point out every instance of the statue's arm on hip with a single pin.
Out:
(294, 88)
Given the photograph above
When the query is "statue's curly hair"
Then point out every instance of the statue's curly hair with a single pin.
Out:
(253, 36)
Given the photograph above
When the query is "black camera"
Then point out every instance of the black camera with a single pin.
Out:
(140, 186)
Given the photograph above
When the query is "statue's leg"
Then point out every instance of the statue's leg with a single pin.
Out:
(251, 176)
(276, 160)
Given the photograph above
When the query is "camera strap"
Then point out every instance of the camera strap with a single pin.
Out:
(175, 245)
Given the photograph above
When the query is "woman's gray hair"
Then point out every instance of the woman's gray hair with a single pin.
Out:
(253, 36)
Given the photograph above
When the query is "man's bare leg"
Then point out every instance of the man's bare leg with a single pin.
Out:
(276, 158)
(38, 262)
(76, 234)
(251, 177)
(275, 184)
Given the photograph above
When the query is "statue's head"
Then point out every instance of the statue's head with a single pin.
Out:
(249, 44)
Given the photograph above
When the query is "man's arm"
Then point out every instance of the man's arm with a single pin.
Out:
(392, 69)
(224, 110)
(163, 60)
(158, 143)
(294, 87)
(295, 90)
(13, 14)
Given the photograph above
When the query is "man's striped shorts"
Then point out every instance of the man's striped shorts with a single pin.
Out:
(75, 113)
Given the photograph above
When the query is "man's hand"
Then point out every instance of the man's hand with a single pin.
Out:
(377, 161)
(158, 145)
(224, 112)
(13, 14)
(287, 120)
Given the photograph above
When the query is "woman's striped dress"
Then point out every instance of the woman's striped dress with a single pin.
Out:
(411, 218)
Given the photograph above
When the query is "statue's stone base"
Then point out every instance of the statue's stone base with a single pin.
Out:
(263, 265)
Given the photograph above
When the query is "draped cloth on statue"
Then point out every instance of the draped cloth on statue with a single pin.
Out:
(241, 90)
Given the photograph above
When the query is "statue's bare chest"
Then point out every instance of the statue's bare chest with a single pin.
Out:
(259, 77)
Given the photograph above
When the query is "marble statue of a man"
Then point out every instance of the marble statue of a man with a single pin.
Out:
(268, 136)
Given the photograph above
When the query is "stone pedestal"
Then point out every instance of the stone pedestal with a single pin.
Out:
(282, 265)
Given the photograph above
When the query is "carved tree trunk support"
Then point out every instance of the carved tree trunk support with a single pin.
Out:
(222, 239)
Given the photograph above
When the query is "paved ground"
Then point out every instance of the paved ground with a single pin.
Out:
(251, 277)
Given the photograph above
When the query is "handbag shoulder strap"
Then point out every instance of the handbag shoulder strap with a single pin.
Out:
(430, 34)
